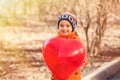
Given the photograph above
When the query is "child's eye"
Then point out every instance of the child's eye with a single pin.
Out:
(61, 25)
(68, 25)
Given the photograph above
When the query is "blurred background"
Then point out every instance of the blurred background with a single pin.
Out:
(26, 24)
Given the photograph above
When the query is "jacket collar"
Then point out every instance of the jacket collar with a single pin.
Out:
(72, 35)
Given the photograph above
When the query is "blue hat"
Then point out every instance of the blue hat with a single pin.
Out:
(70, 17)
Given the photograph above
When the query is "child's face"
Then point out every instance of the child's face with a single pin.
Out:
(65, 27)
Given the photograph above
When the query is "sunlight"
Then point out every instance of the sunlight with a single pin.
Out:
(5, 35)
(7, 4)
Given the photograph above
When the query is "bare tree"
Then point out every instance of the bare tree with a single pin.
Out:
(101, 27)
(86, 25)
(101, 17)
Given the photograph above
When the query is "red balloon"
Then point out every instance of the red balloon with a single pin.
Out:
(63, 56)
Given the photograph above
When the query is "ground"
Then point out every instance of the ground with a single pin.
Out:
(21, 57)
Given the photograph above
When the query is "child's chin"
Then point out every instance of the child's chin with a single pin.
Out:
(64, 33)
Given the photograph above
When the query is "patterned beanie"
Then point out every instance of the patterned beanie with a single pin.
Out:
(70, 17)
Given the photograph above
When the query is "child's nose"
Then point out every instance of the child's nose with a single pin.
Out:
(65, 27)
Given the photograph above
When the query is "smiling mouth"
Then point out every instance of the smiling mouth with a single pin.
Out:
(65, 32)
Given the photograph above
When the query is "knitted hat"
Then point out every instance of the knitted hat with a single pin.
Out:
(70, 17)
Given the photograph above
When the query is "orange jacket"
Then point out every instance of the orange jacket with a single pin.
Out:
(77, 74)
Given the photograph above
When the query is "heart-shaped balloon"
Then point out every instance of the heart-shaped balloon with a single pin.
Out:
(63, 56)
